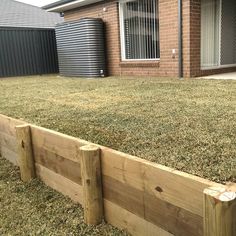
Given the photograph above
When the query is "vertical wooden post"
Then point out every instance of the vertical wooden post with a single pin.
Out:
(92, 184)
(25, 152)
(219, 212)
(0, 144)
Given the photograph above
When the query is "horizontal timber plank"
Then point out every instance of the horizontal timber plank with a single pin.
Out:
(169, 217)
(9, 155)
(60, 144)
(8, 141)
(60, 183)
(7, 125)
(60, 165)
(143, 197)
(134, 224)
(175, 187)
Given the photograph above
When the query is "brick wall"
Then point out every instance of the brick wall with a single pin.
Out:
(167, 66)
(186, 38)
(168, 18)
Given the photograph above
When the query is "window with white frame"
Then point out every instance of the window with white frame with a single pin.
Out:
(139, 27)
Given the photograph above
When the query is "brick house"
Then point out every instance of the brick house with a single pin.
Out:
(162, 37)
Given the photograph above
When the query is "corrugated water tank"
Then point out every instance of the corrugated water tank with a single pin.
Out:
(81, 48)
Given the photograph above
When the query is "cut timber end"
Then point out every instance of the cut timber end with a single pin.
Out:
(219, 212)
(90, 148)
(92, 184)
(25, 152)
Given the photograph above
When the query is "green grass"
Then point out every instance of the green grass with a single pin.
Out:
(34, 209)
(189, 125)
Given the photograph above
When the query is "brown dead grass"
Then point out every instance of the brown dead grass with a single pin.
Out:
(35, 209)
(189, 125)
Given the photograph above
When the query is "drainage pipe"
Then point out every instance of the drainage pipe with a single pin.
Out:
(180, 38)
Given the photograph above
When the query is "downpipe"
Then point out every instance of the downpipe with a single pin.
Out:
(180, 38)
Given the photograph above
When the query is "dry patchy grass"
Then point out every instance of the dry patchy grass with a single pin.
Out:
(34, 209)
(189, 125)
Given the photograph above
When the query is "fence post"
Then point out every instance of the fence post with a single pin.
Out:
(25, 152)
(219, 212)
(92, 184)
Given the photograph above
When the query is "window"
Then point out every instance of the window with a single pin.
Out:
(218, 33)
(210, 25)
(139, 23)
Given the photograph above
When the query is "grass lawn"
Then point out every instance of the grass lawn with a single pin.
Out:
(189, 125)
(34, 209)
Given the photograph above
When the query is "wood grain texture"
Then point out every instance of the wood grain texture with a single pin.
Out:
(8, 145)
(60, 183)
(7, 125)
(171, 218)
(10, 155)
(174, 187)
(143, 197)
(60, 144)
(219, 212)
(60, 165)
(25, 153)
(134, 224)
(8, 141)
(92, 184)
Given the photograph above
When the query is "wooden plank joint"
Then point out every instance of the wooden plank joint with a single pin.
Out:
(219, 212)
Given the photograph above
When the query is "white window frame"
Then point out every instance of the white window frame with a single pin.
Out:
(122, 37)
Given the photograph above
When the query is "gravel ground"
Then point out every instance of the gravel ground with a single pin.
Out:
(189, 125)
(35, 209)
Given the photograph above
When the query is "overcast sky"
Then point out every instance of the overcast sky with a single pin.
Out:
(38, 3)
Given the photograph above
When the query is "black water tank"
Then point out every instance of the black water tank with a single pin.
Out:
(81, 48)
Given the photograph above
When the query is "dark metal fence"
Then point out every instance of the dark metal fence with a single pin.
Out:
(25, 51)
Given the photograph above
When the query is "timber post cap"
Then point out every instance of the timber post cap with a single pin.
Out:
(22, 126)
(221, 193)
(89, 147)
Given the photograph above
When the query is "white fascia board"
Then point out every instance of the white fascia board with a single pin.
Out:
(72, 5)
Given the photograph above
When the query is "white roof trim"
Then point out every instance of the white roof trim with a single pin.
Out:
(72, 5)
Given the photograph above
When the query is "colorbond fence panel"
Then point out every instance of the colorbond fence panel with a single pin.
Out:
(27, 51)
(140, 196)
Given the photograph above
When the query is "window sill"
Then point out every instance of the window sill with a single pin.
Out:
(144, 63)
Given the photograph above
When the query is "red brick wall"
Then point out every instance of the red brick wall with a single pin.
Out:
(168, 14)
(167, 66)
(186, 38)
(168, 18)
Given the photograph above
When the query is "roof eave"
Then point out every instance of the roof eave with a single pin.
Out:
(72, 5)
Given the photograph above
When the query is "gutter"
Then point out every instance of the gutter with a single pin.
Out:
(180, 38)
(56, 4)
(65, 5)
